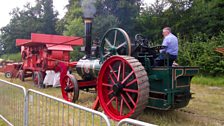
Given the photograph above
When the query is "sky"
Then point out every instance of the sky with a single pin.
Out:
(6, 7)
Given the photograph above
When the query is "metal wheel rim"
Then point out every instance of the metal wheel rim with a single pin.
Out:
(113, 105)
(8, 74)
(112, 43)
(70, 81)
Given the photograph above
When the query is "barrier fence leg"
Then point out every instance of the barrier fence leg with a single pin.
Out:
(26, 112)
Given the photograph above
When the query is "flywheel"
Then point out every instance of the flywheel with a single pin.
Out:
(115, 42)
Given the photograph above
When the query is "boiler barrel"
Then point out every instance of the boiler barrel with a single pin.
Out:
(88, 67)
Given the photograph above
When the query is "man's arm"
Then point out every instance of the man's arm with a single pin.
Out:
(165, 43)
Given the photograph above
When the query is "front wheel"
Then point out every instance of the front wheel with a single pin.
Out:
(70, 88)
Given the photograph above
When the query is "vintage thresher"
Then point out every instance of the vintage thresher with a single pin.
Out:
(127, 81)
(40, 53)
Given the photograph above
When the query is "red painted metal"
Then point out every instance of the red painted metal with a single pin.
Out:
(71, 90)
(12, 68)
(59, 47)
(68, 96)
(50, 39)
(41, 51)
(21, 42)
(96, 104)
(119, 87)
(72, 64)
(83, 84)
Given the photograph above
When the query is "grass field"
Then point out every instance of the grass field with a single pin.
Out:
(2, 123)
(205, 109)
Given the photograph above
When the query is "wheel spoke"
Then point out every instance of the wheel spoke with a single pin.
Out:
(107, 54)
(130, 83)
(130, 90)
(110, 100)
(130, 98)
(106, 49)
(71, 96)
(119, 72)
(115, 37)
(121, 107)
(110, 92)
(108, 42)
(112, 71)
(117, 103)
(111, 79)
(121, 45)
(107, 85)
(127, 77)
(129, 107)
(123, 72)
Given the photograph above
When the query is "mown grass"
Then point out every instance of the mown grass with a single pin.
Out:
(207, 105)
(208, 80)
(2, 123)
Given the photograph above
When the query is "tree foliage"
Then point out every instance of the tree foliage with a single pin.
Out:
(110, 13)
(40, 18)
(201, 52)
(185, 17)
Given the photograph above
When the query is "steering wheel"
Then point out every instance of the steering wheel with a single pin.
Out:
(115, 42)
(140, 40)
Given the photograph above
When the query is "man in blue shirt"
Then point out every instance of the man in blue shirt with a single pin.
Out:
(170, 51)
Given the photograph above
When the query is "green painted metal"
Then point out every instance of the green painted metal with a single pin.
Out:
(112, 41)
(170, 87)
(88, 67)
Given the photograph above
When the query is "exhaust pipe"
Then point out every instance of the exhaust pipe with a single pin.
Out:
(88, 36)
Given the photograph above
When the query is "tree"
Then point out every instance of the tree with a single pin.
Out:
(125, 12)
(23, 22)
(40, 18)
(73, 24)
(49, 16)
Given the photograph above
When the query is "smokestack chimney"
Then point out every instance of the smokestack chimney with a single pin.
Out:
(88, 12)
(88, 36)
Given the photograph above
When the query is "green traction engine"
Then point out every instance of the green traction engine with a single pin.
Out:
(125, 78)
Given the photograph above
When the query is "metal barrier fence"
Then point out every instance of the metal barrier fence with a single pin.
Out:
(132, 122)
(34, 108)
(47, 110)
(12, 103)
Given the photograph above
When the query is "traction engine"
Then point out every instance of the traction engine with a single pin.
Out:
(126, 80)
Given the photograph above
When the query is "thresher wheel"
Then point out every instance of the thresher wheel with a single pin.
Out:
(70, 88)
(115, 42)
(38, 79)
(123, 87)
(8, 75)
(21, 75)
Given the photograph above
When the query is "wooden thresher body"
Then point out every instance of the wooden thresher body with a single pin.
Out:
(42, 51)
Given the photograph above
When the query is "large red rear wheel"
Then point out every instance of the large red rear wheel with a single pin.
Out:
(123, 87)
(70, 88)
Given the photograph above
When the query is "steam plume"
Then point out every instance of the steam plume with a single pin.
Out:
(88, 8)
